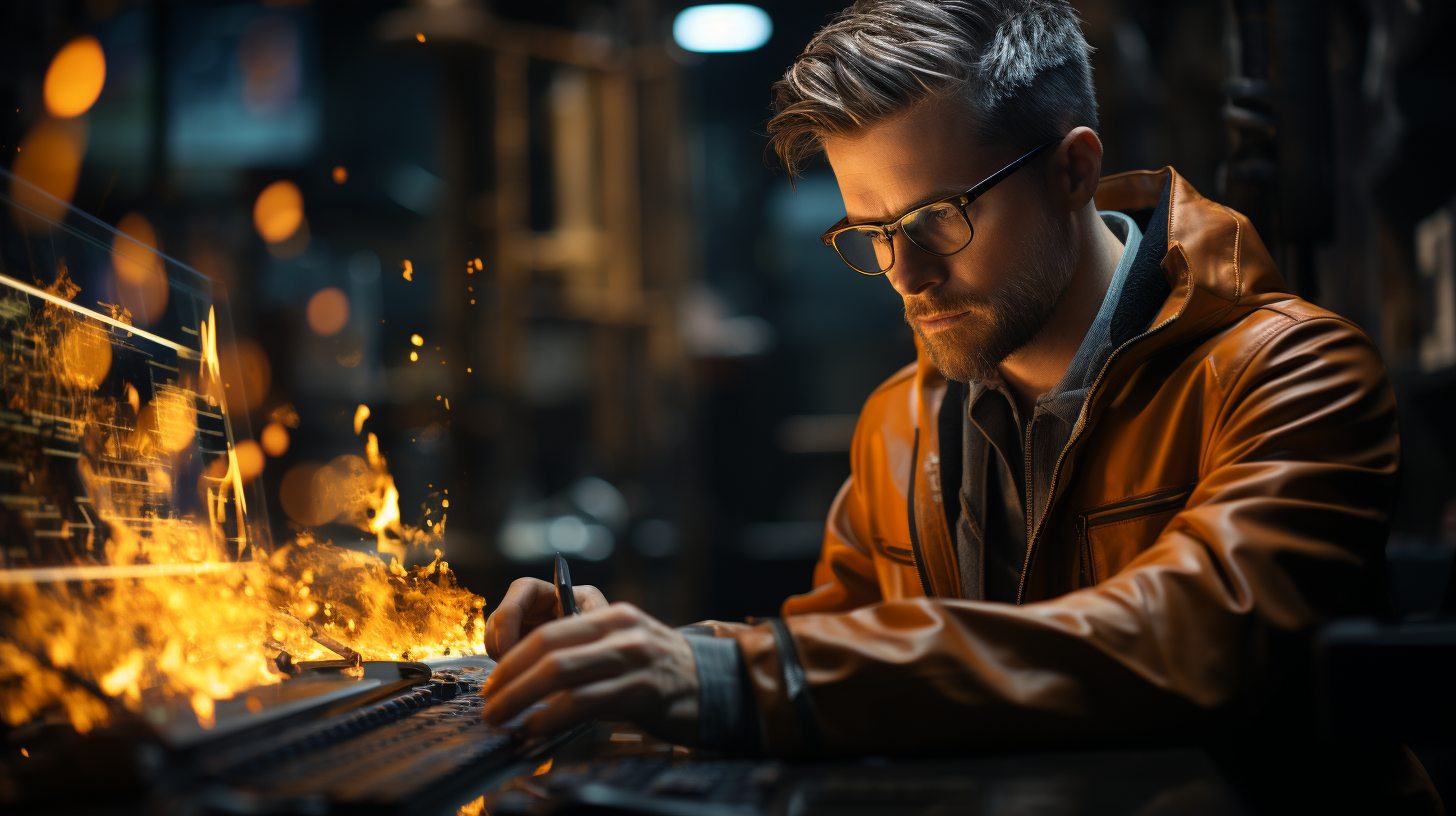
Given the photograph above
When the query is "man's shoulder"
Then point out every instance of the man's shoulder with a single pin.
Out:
(1283, 325)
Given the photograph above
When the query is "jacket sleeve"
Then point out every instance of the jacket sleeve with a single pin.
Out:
(1297, 477)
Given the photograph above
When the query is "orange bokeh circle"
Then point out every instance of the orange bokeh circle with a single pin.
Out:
(275, 439)
(278, 211)
(250, 459)
(75, 78)
(141, 277)
(328, 311)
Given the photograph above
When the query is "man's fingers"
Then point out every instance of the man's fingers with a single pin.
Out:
(589, 598)
(614, 655)
(610, 696)
(528, 602)
(560, 634)
(503, 629)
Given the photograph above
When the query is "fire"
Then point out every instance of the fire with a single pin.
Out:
(184, 607)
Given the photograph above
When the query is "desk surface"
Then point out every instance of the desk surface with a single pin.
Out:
(618, 770)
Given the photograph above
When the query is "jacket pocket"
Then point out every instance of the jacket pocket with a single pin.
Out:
(1111, 536)
(895, 552)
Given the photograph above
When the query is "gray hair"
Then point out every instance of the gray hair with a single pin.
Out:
(1019, 67)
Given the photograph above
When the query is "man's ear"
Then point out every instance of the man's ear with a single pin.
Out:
(1077, 166)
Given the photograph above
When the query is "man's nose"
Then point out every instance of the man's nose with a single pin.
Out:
(915, 270)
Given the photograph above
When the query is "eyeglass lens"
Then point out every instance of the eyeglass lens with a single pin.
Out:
(866, 250)
(940, 229)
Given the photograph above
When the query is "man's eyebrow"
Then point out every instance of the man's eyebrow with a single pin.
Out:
(933, 197)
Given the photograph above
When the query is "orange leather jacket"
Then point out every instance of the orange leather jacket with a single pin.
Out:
(1226, 488)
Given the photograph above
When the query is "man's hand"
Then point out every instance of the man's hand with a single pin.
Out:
(528, 604)
(615, 662)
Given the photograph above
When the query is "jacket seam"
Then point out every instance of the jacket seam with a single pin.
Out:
(1268, 333)
(1267, 337)
(1259, 347)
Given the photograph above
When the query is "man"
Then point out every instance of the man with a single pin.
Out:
(1125, 479)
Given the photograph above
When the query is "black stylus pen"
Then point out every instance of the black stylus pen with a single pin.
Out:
(564, 593)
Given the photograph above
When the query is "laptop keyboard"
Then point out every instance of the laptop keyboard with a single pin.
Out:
(387, 753)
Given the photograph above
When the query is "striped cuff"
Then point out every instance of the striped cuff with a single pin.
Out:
(727, 713)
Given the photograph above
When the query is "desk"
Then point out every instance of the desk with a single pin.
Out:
(618, 770)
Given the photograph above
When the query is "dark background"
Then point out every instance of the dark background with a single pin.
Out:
(686, 423)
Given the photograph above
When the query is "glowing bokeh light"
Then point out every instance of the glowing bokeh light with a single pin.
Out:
(722, 27)
(341, 174)
(250, 459)
(296, 244)
(296, 494)
(85, 354)
(328, 311)
(278, 212)
(247, 375)
(49, 158)
(274, 439)
(75, 78)
(141, 278)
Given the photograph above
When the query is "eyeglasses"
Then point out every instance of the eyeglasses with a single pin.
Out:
(941, 227)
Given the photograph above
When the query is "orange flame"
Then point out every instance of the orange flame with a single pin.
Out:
(360, 414)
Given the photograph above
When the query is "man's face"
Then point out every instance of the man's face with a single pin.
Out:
(975, 308)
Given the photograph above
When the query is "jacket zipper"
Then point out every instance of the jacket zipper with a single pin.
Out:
(1088, 576)
(914, 531)
(1026, 482)
(1076, 435)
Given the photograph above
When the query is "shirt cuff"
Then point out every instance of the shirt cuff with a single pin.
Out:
(727, 711)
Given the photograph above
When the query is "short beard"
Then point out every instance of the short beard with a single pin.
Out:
(1011, 317)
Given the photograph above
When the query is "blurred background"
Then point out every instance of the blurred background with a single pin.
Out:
(542, 243)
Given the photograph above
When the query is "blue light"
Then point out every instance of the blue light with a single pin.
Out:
(722, 27)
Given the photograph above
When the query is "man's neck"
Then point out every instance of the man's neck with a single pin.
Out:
(1037, 367)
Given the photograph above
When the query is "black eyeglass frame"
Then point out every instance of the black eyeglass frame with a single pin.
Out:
(961, 200)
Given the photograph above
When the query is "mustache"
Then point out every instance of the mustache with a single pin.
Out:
(931, 305)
